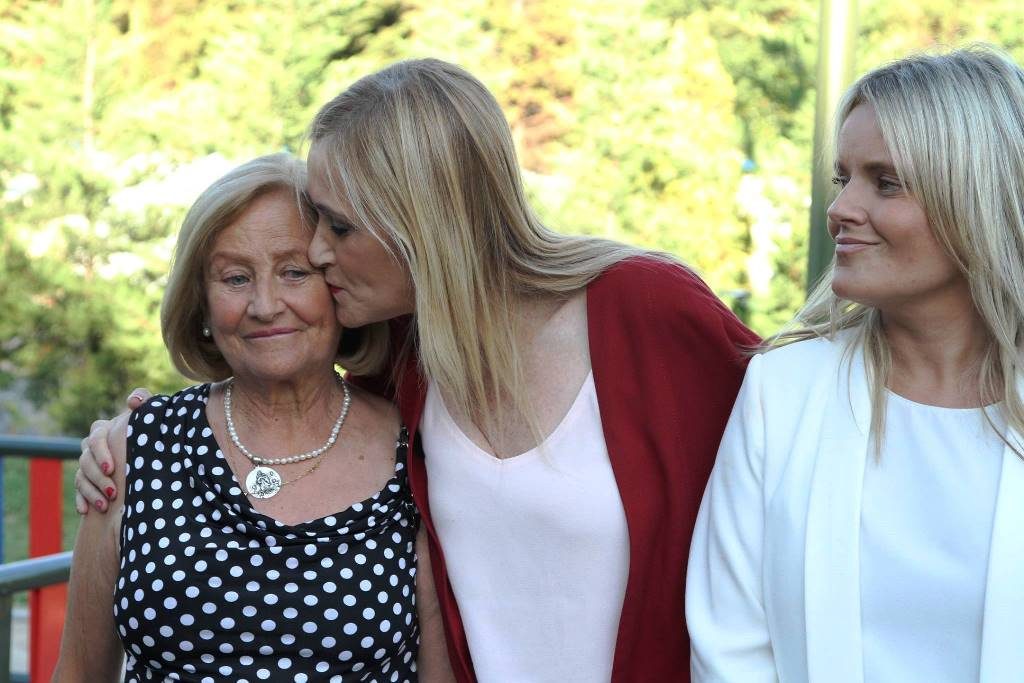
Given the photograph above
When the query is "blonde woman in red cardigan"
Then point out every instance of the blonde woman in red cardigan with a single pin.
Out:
(566, 395)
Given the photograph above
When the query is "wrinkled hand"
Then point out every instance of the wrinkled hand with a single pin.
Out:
(94, 484)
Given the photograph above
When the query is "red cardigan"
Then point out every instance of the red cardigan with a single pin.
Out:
(667, 366)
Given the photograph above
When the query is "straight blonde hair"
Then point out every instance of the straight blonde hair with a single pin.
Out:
(422, 152)
(954, 124)
(183, 309)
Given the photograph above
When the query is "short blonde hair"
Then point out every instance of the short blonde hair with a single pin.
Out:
(423, 153)
(183, 310)
(954, 125)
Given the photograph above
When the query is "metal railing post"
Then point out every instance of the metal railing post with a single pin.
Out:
(837, 33)
(6, 606)
(46, 605)
(16, 577)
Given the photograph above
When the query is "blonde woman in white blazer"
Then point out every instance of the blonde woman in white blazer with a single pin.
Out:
(865, 517)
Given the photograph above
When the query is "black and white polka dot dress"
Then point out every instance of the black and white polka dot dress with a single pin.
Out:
(211, 590)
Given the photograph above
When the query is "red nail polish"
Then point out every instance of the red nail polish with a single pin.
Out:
(105, 467)
(110, 492)
(99, 504)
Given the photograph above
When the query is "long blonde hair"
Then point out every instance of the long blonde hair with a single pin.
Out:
(954, 124)
(424, 155)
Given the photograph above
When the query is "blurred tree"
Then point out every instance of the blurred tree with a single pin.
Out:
(682, 125)
(114, 114)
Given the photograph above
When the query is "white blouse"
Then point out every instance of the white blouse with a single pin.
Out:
(926, 526)
(536, 546)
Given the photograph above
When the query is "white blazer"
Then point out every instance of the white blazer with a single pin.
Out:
(773, 585)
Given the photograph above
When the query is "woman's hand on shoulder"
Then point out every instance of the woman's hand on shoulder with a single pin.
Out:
(94, 481)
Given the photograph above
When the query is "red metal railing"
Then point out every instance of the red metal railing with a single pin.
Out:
(45, 511)
(45, 605)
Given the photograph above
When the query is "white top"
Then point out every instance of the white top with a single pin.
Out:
(536, 546)
(926, 527)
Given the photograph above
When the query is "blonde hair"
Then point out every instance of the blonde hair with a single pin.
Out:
(183, 309)
(424, 155)
(954, 124)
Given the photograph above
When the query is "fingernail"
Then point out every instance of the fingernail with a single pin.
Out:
(111, 493)
(99, 504)
(105, 467)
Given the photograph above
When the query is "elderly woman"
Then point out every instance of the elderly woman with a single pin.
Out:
(266, 530)
(863, 520)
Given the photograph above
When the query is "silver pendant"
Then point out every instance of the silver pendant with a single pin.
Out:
(263, 482)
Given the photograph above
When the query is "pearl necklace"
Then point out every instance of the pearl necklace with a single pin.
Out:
(233, 433)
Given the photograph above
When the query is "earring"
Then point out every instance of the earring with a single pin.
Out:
(206, 330)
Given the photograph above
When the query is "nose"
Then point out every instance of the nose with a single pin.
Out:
(846, 209)
(265, 303)
(320, 253)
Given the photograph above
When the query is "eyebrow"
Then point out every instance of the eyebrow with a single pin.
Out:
(872, 167)
(328, 211)
(239, 257)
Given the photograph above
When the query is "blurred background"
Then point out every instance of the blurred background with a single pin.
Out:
(683, 125)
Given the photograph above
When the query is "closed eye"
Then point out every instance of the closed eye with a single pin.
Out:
(340, 228)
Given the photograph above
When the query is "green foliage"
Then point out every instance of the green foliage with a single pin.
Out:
(682, 125)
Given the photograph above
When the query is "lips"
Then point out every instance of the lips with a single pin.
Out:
(850, 245)
(270, 332)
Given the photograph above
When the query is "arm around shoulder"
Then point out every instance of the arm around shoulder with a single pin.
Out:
(725, 611)
(90, 649)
